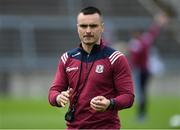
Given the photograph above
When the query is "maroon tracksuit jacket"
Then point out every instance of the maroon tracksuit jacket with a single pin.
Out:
(104, 72)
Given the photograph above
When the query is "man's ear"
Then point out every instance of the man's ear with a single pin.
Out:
(102, 25)
(77, 27)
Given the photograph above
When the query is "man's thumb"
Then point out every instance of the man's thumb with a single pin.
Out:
(69, 91)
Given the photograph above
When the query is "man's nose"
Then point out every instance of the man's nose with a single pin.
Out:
(88, 30)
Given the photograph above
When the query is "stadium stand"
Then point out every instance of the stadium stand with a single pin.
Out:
(33, 34)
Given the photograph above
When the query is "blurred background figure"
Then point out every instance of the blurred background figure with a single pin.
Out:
(139, 57)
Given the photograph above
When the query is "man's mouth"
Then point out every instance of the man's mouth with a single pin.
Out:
(88, 36)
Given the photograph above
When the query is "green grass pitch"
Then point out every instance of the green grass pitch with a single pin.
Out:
(38, 114)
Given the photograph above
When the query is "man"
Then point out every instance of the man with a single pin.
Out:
(95, 79)
(139, 54)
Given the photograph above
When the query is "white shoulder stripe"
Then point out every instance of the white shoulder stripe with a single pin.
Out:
(114, 56)
(64, 57)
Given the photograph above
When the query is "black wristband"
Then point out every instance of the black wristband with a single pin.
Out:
(111, 105)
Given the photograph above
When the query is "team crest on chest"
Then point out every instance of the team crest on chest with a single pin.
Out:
(99, 69)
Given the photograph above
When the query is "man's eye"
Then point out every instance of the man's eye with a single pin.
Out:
(83, 26)
(93, 25)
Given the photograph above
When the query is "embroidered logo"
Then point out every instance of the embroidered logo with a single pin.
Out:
(69, 69)
(99, 69)
(76, 54)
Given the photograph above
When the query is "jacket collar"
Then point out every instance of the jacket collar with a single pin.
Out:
(95, 49)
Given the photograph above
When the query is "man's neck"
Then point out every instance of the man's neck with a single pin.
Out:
(88, 48)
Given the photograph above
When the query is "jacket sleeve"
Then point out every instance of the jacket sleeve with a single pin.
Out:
(60, 83)
(123, 84)
(151, 34)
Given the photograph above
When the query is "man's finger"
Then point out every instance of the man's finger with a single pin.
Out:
(64, 98)
(62, 104)
(98, 98)
(69, 91)
(63, 101)
(66, 94)
(97, 108)
(97, 105)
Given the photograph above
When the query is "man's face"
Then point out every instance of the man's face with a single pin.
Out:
(90, 28)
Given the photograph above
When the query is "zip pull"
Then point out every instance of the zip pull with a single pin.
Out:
(88, 55)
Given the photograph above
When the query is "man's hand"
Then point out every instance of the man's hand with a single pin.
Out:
(99, 103)
(161, 19)
(63, 98)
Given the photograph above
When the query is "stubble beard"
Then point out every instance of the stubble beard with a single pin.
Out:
(90, 43)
